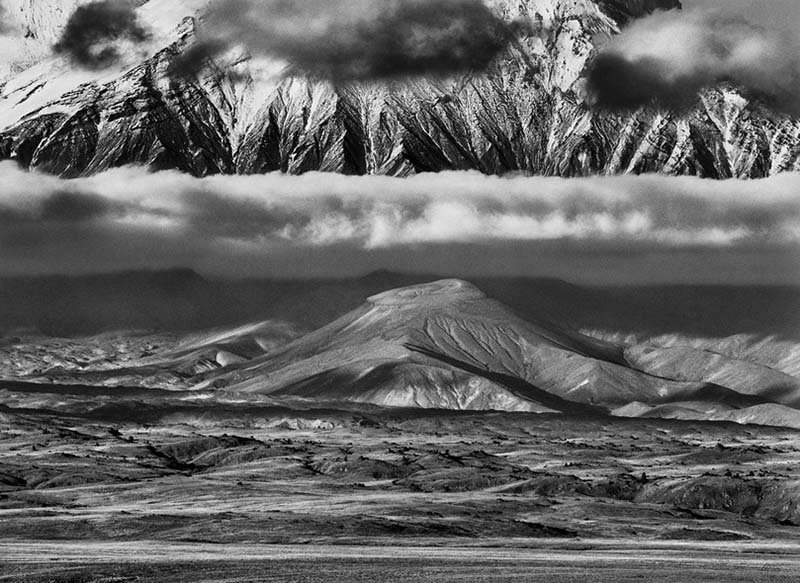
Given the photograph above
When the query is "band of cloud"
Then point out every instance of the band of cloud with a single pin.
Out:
(378, 212)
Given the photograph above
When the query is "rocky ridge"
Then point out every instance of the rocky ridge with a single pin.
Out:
(528, 113)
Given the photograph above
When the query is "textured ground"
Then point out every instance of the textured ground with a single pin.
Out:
(149, 467)
(619, 561)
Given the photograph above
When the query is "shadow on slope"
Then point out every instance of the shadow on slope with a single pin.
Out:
(516, 385)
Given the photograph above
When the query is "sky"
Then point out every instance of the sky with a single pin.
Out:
(622, 230)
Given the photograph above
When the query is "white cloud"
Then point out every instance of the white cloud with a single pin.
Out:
(320, 209)
(49, 220)
(669, 57)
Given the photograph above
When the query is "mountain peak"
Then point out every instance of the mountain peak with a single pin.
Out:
(60, 119)
(434, 292)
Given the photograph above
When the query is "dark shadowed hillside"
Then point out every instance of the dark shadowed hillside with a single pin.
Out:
(183, 300)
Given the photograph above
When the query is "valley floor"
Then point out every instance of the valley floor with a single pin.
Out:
(154, 487)
(602, 561)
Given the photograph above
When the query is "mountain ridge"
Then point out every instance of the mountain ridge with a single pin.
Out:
(527, 114)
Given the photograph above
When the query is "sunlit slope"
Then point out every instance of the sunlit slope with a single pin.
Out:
(446, 345)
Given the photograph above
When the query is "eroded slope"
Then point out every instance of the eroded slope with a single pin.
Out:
(447, 345)
(526, 113)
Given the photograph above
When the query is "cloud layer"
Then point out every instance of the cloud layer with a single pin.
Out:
(356, 39)
(93, 31)
(668, 58)
(131, 218)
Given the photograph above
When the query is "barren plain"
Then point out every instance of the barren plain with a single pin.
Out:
(196, 491)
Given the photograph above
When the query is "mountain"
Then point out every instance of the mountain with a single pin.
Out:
(439, 345)
(180, 300)
(527, 113)
(446, 345)
(768, 414)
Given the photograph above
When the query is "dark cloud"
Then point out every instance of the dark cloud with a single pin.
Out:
(58, 206)
(74, 207)
(193, 60)
(322, 223)
(357, 39)
(93, 29)
(618, 83)
(667, 59)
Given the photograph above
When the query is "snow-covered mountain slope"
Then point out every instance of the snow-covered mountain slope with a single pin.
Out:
(527, 113)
